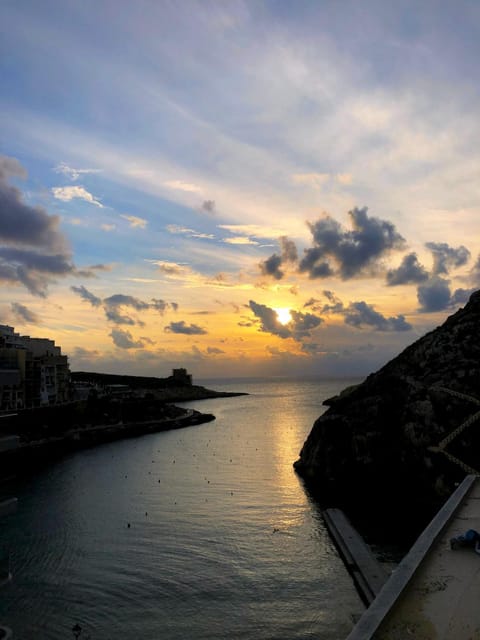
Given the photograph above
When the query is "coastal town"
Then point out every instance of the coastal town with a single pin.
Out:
(46, 410)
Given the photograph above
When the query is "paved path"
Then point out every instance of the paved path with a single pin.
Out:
(442, 600)
(434, 593)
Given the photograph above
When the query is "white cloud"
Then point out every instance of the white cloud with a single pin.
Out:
(180, 185)
(73, 192)
(107, 227)
(239, 240)
(135, 221)
(177, 229)
(72, 173)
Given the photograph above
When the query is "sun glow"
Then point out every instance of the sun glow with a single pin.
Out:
(283, 314)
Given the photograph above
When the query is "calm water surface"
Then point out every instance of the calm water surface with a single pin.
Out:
(223, 541)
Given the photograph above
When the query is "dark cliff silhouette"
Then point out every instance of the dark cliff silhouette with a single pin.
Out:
(383, 450)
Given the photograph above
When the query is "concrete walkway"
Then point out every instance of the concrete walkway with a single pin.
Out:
(434, 594)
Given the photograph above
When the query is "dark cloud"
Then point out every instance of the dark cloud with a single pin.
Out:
(32, 249)
(289, 249)
(124, 339)
(182, 327)
(114, 315)
(80, 353)
(121, 300)
(299, 327)
(23, 314)
(209, 206)
(159, 305)
(271, 266)
(461, 296)
(436, 295)
(334, 305)
(360, 314)
(214, 351)
(87, 295)
(474, 276)
(348, 253)
(269, 320)
(113, 304)
(303, 323)
(446, 257)
(410, 271)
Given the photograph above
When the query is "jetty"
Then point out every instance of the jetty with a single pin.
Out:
(434, 592)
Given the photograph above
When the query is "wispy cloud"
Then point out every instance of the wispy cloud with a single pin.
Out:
(72, 173)
(179, 230)
(23, 314)
(134, 221)
(180, 185)
(66, 194)
(241, 240)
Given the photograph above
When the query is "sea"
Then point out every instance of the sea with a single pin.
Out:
(203, 533)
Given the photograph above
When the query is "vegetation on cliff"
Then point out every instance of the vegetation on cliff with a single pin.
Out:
(380, 448)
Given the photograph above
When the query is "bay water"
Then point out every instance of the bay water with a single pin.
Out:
(199, 533)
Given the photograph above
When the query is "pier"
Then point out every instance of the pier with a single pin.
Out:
(434, 592)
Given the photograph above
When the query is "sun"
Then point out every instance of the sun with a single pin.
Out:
(283, 314)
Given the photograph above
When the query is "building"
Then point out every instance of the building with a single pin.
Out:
(33, 371)
(181, 377)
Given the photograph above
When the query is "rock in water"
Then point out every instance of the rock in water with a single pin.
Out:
(373, 451)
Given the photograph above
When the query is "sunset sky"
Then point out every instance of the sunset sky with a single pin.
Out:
(172, 174)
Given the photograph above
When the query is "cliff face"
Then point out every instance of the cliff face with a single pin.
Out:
(374, 448)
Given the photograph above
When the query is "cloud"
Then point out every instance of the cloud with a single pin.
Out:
(134, 221)
(315, 180)
(320, 180)
(208, 206)
(124, 339)
(177, 229)
(214, 351)
(255, 230)
(119, 299)
(80, 353)
(181, 327)
(107, 227)
(22, 224)
(21, 312)
(180, 185)
(299, 327)
(239, 240)
(113, 304)
(348, 252)
(75, 192)
(87, 295)
(32, 250)
(72, 173)
(436, 295)
(335, 305)
(271, 266)
(360, 314)
(445, 257)
(410, 271)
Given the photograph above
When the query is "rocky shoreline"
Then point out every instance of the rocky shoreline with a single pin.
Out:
(382, 451)
(49, 432)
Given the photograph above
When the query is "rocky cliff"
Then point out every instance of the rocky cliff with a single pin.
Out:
(380, 449)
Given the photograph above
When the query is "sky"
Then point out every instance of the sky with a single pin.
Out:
(241, 188)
